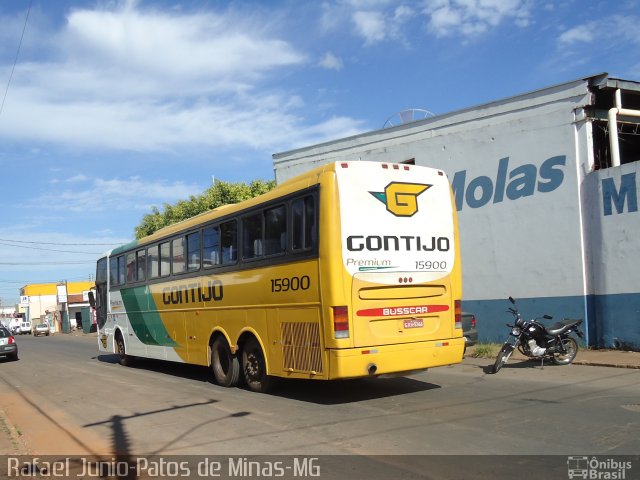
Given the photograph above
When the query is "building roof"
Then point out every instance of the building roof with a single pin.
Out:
(36, 289)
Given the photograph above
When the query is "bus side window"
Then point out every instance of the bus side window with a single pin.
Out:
(121, 270)
(113, 271)
(303, 215)
(275, 231)
(141, 261)
(193, 251)
(252, 236)
(229, 240)
(153, 262)
(131, 267)
(178, 255)
(211, 247)
(165, 259)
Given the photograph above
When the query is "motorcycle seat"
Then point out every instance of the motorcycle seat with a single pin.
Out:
(560, 327)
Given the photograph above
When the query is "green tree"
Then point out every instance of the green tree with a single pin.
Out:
(220, 193)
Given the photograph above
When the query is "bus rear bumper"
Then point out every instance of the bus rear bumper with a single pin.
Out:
(393, 359)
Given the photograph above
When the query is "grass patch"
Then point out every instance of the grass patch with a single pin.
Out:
(485, 350)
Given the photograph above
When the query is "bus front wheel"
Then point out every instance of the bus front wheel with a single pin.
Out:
(123, 358)
(225, 365)
(254, 367)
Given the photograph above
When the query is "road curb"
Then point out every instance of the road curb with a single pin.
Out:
(603, 364)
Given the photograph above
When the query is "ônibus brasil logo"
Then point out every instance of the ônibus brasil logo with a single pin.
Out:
(400, 198)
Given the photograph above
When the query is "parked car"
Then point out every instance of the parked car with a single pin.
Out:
(41, 329)
(469, 329)
(25, 327)
(8, 344)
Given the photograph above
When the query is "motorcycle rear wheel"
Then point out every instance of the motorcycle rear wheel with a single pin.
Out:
(502, 358)
(571, 346)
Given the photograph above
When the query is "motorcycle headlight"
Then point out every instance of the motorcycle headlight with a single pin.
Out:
(515, 331)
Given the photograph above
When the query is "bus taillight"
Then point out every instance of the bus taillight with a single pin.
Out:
(341, 322)
(458, 312)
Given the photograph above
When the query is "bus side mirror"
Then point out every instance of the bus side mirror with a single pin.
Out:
(92, 300)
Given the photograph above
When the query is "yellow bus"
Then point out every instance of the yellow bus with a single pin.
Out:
(349, 270)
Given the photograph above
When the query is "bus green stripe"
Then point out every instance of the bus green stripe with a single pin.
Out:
(144, 317)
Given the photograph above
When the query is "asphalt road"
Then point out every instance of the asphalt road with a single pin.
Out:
(159, 408)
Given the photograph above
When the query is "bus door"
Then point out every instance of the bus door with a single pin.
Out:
(101, 293)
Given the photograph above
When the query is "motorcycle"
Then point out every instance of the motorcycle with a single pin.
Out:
(534, 340)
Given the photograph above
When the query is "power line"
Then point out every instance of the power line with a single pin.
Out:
(15, 61)
(64, 244)
(49, 249)
(72, 262)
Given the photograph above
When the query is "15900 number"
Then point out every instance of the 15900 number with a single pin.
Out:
(429, 265)
(290, 284)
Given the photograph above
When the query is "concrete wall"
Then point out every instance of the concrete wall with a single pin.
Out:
(613, 225)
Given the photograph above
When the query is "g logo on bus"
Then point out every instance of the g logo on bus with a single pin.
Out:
(401, 198)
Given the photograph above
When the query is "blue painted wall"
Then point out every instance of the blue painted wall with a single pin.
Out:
(609, 320)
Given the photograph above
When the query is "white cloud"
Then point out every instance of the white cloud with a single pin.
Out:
(377, 25)
(194, 47)
(133, 78)
(370, 25)
(115, 194)
(473, 17)
(331, 62)
(582, 33)
(77, 178)
(609, 32)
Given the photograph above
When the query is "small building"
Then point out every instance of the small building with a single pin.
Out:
(6, 314)
(546, 188)
(60, 304)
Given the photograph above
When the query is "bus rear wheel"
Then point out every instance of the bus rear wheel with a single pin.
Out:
(225, 365)
(254, 367)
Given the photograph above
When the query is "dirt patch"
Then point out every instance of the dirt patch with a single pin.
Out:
(36, 427)
(11, 441)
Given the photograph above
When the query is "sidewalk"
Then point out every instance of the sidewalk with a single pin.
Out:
(595, 358)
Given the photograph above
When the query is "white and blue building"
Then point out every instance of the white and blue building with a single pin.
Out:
(546, 185)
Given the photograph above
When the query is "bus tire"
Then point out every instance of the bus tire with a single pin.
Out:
(123, 358)
(254, 367)
(225, 365)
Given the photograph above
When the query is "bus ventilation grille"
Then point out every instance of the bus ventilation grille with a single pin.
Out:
(301, 346)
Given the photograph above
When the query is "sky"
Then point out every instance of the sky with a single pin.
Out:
(112, 107)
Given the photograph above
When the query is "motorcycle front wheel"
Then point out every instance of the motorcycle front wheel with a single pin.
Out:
(571, 348)
(502, 358)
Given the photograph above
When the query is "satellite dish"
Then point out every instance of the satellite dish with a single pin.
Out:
(408, 116)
